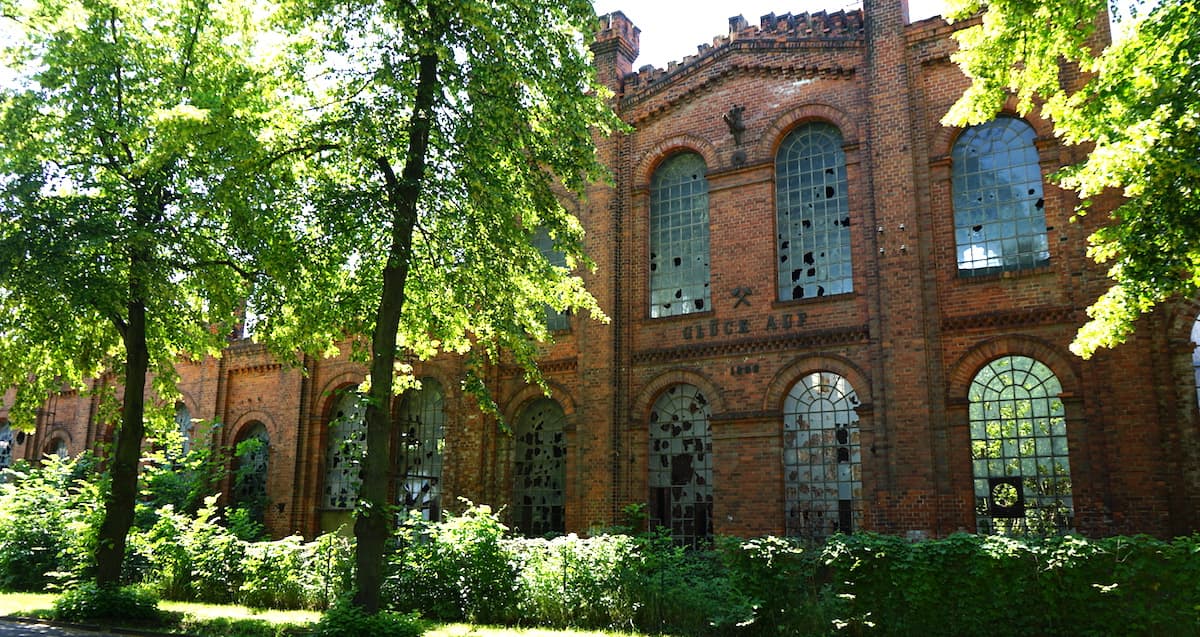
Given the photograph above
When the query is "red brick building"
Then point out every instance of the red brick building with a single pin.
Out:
(829, 312)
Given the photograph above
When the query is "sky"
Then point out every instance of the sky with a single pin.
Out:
(672, 29)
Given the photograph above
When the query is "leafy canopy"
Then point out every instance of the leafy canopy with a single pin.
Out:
(124, 156)
(1139, 109)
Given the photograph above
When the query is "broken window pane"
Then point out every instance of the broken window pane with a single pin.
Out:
(6, 444)
(541, 469)
(556, 321)
(421, 422)
(344, 452)
(681, 492)
(999, 210)
(1022, 473)
(812, 212)
(822, 457)
(679, 266)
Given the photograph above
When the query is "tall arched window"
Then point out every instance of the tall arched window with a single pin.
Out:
(421, 421)
(679, 272)
(541, 469)
(1196, 355)
(555, 320)
(999, 210)
(812, 214)
(822, 457)
(183, 424)
(252, 453)
(344, 452)
(57, 447)
(1019, 449)
(6, 445)
(681, 490)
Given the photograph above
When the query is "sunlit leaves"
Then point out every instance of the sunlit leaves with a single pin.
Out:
(1139, 108)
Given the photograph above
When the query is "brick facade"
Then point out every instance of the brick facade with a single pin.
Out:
(909, 339)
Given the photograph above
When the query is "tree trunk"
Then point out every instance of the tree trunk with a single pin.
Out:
(123, 468)
(374, 514)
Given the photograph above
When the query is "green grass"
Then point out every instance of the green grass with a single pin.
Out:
(215, 620)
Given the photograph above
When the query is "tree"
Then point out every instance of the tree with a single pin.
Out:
(129, 222)
(1139, 109)
(449, 132)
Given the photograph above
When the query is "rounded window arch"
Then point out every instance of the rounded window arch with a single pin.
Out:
(1019, 456)
(344, 452)
(251, 462)
(679, 237)
(57, 446)
(999, 207)
(421, 421)
(681, 469)
(541, 469)
(812, 211)
(822, 457)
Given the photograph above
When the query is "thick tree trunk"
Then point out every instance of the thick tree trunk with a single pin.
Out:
(374, 515)
(123, 468)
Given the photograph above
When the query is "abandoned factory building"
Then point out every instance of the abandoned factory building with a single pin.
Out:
(830, 312)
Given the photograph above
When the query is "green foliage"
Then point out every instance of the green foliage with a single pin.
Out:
(574, 582)
(47, 523)
(1139, 108)
(347, 620)
(456, 569)
(193, 558)
(89, 603)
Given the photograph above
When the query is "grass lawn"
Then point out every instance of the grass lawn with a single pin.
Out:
(239, 621)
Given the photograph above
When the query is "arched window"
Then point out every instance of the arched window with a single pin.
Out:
(183, 424)
(1196, 355)
(1019, 449)
(822, 457)
(555, 321)
(252, 453)
(6, 445)
(679, 273)
(681, 491)
(344, 452)
(57, 447)
(421, 422)
(812, 214)
(541, 469)
(999, 210)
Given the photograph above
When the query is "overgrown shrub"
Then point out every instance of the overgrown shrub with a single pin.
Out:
(574, 582)
(91, 603)
(456, 569)
(47, 520)
(346, 620)
(194, 558)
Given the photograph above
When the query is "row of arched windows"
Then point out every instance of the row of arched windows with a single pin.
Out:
(999, 214)
(1020, 465)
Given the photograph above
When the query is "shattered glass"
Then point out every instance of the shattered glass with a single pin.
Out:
(541, 469)
(681, 490)
(822, 460)
(344, 453)
(679, 237)
(421, 421)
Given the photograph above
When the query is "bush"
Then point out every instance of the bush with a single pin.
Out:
(347, 620)
(573, 582)
(91, 603)
(456, 569)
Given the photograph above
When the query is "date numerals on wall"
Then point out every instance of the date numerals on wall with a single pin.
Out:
(742, 370)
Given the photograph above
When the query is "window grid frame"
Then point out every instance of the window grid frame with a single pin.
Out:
(541, 480)
(684, 506)
(998, 198)
(812, 214)
(344, 451)
(1018, 432)
(422, 429)
(679, 238)
(817, 463)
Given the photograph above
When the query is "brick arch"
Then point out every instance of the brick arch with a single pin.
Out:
(328, 395)
(1183, 317)
(651, 391)
(188, 401)
(658, 153)
(963, 371)
(249, 418)
(530, 393)
(941, 140)
(786, 378)
(768, 144)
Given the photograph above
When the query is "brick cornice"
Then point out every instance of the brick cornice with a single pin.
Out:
(819, 338)
(1011, 318)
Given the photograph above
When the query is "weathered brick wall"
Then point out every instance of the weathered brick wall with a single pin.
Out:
(909, 338)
